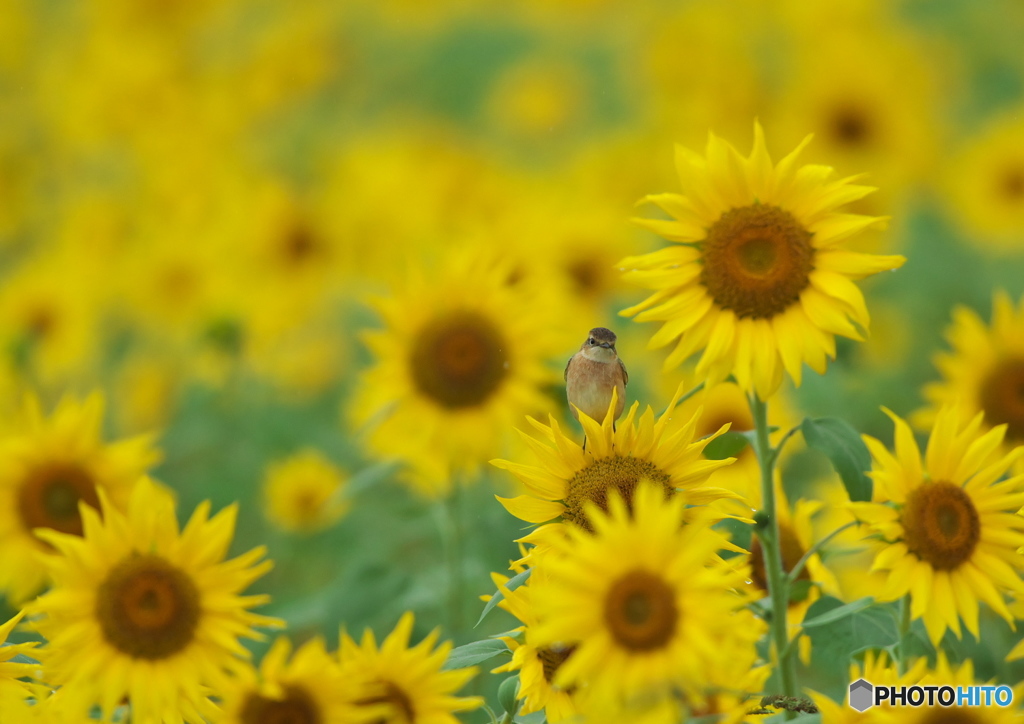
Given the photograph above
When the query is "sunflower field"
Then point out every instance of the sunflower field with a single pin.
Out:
(559, 361)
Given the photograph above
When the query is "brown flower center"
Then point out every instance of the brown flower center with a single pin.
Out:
(1011, 183)
(1002, 397)
(640, 610)
(792, 552)
(459, 360)
(552, 658)
(50, 494)
(614, 472)
(587, 275)
(400, 708)
(941, 525)
(850, 126)
(148, 608)
(757, 261)
(297, 707)
(299, 245)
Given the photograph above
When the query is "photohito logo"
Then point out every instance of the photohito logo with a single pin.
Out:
(864, 695)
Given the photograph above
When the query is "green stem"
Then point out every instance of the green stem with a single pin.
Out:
(902, 652)
(778, 585)
(794, 572)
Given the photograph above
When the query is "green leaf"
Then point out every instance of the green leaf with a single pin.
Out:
(837, 613)
(507, 695)
(799, 590)
(844, 448)
(474, 653)
(726, 445)
(498, 597)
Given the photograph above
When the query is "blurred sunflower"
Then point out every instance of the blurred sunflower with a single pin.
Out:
(879, 670)
(947, 528)
(985, 370)
(11, 689)
(408, 683)
(306, 689)
(47, 468)
(985, 184)
(304, 492)
(644, 601)
(617, 458)
(139, 609)
(759, 279)
(461, 360)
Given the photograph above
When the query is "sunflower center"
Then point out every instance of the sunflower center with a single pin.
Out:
(952, 715)
(298, 245)
(552, 658)
(401, 709)
(297, 707)
(49, 498)
(1002, 397)
(459, 361)
(792, 552)
(941, 525)
(850, 127)
(615, 472)
(1012, 183)
(148, 608)
(757, 261)
(586, 274)
(640, 610)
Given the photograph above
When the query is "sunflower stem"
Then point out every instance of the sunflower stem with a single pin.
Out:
(778, 584)
(904, 634)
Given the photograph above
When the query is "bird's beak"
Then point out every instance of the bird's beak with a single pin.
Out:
(606, 345)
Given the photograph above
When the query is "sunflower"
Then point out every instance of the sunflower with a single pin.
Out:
(537, 665)
(461, 359)
(11, 689)
(46, 468)
(760, 279)
(986, 184)
(407, 682)
(985, 370)
(645, 603)
(879, 670)
(947, 529)
(306, 690)
(617, 458)
(143, 611)
(304, 492)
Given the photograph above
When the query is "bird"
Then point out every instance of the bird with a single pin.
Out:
(592, 373)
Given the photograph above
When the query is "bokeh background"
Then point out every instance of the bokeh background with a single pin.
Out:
(201, 200)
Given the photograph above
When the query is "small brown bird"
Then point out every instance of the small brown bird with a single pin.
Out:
(592, 374)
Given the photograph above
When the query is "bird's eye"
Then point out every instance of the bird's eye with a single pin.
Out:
(591, 341)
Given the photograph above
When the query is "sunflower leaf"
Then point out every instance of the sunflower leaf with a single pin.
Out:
(474, 653)
(727, 445)
(513, 583)
(842, 445)
(839, 612)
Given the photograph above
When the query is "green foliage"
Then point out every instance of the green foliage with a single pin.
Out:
(849, 455)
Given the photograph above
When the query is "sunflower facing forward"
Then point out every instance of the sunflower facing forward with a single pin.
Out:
(760, 279)
(142, 611)
(947, 529)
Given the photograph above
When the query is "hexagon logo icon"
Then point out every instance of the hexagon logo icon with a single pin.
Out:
(861, 695)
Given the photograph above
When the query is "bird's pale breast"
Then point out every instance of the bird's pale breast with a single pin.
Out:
(589, 386)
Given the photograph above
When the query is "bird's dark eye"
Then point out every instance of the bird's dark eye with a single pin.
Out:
(591, 341)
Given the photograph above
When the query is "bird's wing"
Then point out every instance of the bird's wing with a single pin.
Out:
(625, 375)
(565, 375)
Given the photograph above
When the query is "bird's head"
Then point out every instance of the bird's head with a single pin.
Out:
(599, 344)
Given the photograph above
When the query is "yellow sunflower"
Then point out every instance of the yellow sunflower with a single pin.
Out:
(461, 359)
(11, 689)
(304, 492)
(46, 468)
(878, 669)
(760, 279)
(408, 683)
(143, 611)
(617, 458)
(985, 370)
(645, 602)
(947, 528)
(537, 665)
(986, 184)
(309, 688)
